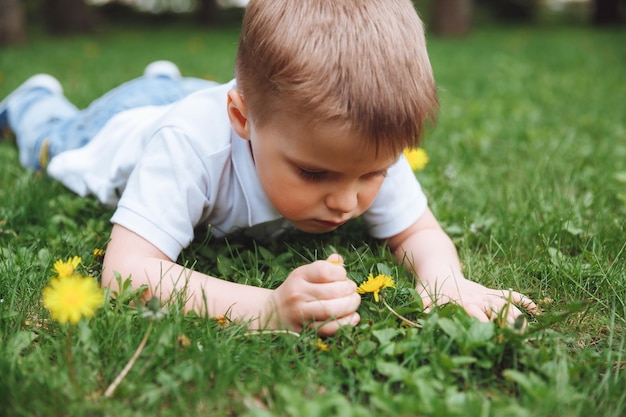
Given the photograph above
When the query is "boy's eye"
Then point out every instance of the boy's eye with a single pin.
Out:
(310, 175)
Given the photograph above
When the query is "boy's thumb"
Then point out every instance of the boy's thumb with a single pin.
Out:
(335, 259)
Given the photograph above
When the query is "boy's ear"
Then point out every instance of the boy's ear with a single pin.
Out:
(238, 114)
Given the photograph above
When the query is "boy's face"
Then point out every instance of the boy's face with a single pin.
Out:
(317, 177)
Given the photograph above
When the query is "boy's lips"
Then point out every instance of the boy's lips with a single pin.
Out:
(330, 224)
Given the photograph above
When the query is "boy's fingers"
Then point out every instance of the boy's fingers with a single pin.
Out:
(331, 290)
(514, 313)
(329, 328)
(329, 309)
(490, 308)
(478, 312)
(524, 302)
(323, 271)
(335, 259)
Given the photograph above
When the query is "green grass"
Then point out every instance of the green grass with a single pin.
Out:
(527, 173)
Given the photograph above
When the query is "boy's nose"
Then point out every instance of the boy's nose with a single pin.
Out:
(343, 201)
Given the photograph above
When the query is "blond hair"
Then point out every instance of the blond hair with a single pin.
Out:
(362, 63)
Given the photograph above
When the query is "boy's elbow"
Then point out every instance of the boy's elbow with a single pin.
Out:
(117, 268)
(128, 255)
(110, 273)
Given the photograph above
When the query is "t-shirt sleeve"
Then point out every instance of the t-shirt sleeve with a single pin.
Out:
(399, 203)
(167, 193)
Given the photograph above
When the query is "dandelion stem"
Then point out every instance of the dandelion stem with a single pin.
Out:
(118, 380)
(69, 360)
(401, 317)
(502, 318)
(271, 331)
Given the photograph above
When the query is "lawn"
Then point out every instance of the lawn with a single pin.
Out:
(527, 173)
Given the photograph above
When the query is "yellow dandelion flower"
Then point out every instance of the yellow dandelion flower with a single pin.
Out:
(319, 343)
(417, 157)
(67, 268)
(376, 284)
(98, 253)
(71, 298)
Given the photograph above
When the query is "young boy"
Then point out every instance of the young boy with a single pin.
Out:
(328, 93)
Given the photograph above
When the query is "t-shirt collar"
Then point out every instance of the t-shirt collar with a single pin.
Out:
(260, 209)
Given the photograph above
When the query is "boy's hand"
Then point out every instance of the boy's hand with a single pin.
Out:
(317, 295)
(479, 301)
(426, 249)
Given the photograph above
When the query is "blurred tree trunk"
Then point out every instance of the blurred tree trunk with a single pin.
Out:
(452, 17)
(606, 12)
(69, 16)
(207, 12)
(12, 20)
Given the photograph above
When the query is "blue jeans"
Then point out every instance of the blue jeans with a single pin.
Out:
(38, 115)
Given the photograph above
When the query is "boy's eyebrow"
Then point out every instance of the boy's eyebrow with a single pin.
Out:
(306, 166)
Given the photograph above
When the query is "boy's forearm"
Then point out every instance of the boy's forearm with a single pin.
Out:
(431, 256)
(132, 256)
(202, 294)
(427, 251)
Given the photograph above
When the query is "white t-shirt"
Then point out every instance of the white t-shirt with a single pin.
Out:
(169, 169)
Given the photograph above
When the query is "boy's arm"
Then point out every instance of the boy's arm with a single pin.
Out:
(427, 250)
(318, 294)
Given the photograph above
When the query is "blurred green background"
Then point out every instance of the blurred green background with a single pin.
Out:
(443, 17)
